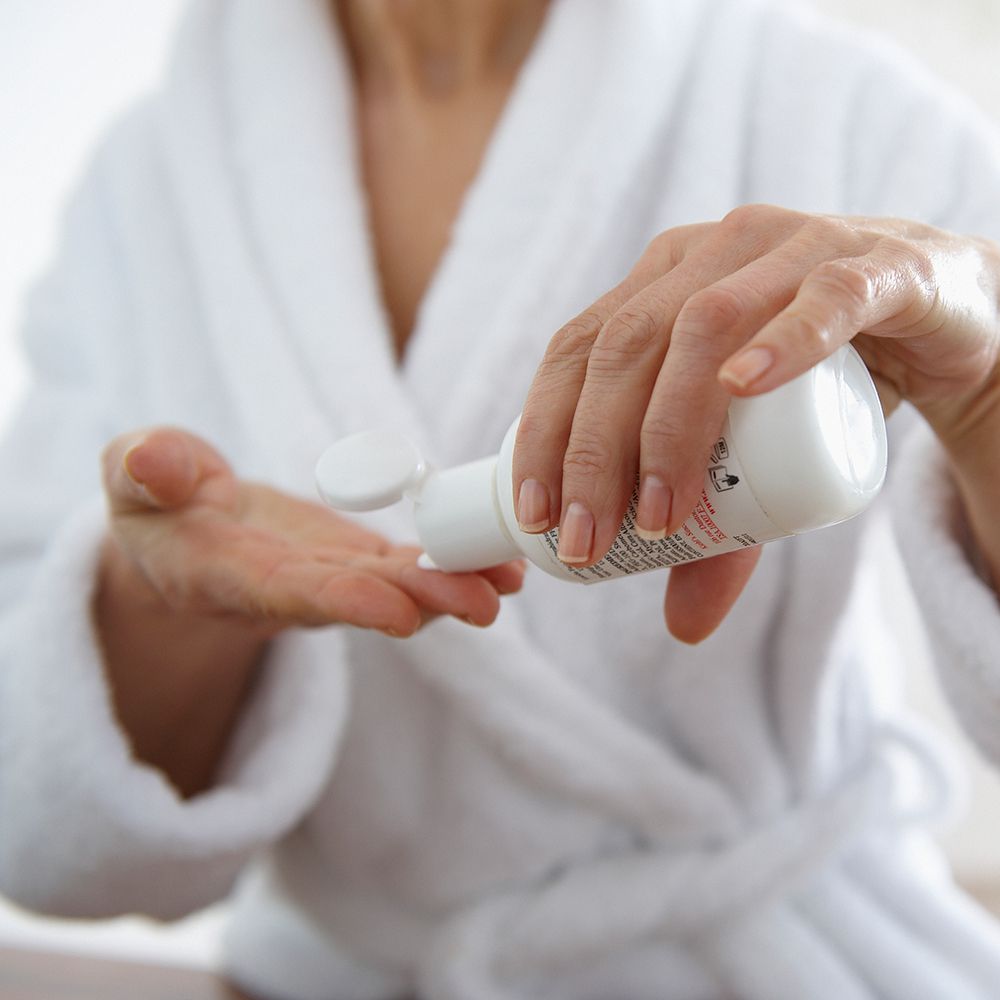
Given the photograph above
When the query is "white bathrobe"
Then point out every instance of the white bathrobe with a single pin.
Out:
(569, 804)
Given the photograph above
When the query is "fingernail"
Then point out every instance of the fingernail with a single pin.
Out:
(521, 565)
(533, 506)
(127, 467)
(576, 534)
(747, 367)
(139, 488)
(653, 510)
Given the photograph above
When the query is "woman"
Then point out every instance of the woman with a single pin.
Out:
(379, 213)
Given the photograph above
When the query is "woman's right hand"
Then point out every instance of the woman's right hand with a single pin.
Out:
(209, 545)
(201, 570)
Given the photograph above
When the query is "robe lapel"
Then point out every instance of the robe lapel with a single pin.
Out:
(288, 86)
(258, 138)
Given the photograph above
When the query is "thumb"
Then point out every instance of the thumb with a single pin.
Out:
(163, 469)
(700, 594)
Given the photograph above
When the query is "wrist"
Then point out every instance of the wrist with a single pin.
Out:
(968, 427)
(177, 679)
(969, 431)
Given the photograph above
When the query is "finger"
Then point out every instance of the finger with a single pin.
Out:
(469, 596)
(163, 469)
(124, 492)
(625, 375)
(292, 591)
(368, 601)
(700, 594)
(889, 290)
(508, 578)
(547, 417)
(687, 405)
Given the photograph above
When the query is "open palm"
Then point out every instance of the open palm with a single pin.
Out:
(210, 544)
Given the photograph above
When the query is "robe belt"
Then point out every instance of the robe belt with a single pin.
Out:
(611, 904)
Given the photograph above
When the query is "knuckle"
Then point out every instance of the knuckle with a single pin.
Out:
(710, 312)
(661, 242)
(533, 430)
(574, 340)
(587, 455)
(659, 435)
(629, 334)
(745, 220)
(909, 258)
(664, 248)
(812, 337)
(829, 231)
(669, 248)
(895, 248)
(848, 283)
(742, 219)
(538, 435)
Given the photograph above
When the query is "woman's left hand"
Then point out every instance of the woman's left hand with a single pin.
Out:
(639, 383)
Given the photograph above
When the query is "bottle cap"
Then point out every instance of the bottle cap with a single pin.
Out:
(458, 520)
(370, 470)
(814, 450)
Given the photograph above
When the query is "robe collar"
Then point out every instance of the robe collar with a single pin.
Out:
(261, 133)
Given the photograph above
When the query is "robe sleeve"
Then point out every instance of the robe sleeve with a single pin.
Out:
(959, 606)
(931, 156)
(86, 830)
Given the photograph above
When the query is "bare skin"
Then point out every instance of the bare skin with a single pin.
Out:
(200, 570)
(431, 80)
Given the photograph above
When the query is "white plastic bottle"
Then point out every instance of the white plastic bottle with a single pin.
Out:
(808, 454)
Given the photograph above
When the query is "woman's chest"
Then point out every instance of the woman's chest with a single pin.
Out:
(418, 159)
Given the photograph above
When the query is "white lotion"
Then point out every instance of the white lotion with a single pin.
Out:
(808, 454)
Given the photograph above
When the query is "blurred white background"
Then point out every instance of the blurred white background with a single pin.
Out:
(69, 67)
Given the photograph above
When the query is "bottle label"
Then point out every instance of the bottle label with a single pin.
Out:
(727, 517)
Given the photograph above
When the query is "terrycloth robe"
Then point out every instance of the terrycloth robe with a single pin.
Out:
(569, 804)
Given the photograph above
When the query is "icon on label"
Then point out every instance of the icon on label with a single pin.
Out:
(722, 480)
(720, 452)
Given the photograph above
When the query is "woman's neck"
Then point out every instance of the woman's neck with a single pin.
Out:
(432, 78)
(437, 47)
